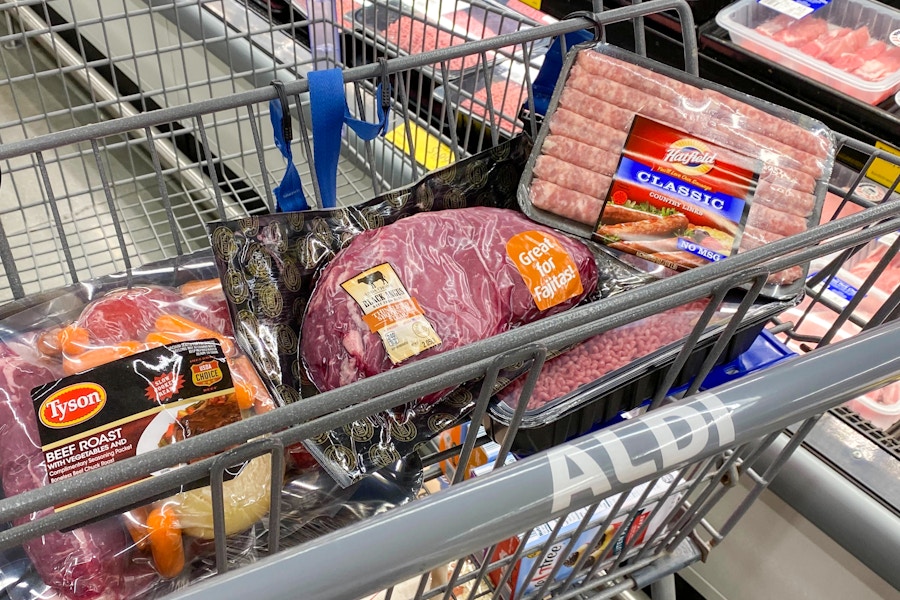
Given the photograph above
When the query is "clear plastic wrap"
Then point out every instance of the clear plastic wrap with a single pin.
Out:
(95, 333)
(150, 550)
(767, 165)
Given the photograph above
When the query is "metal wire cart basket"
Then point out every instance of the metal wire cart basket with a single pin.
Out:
(118, 159)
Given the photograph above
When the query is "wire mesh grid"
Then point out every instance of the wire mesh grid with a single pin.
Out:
(72, 64)
(852, 291)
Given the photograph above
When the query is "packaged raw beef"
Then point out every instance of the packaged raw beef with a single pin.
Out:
(270, 265)
(851, 45)
(671, 168)
(433, 282)
(111, 369)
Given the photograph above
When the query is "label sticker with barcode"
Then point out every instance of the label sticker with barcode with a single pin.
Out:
(796, 9)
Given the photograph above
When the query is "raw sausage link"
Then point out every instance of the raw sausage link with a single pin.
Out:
(763, 217)
(565, 203)
(663, 87)
(565, 122)
(596, 109)
(580, 154)
(784, 199)
(571, 177)
(755, 237)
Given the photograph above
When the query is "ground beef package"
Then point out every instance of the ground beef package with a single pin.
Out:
(270, 266)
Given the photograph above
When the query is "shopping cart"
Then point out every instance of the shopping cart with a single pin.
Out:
(67, 64)
(653, 479)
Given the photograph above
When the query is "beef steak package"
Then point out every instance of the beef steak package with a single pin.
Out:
(324, 298)
(653, 162)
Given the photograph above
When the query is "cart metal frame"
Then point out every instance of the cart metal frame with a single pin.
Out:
(736, 423)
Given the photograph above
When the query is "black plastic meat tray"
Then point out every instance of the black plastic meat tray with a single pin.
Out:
(603, 400)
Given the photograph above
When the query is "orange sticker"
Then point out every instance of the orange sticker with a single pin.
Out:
(392, 313)
(547, 269)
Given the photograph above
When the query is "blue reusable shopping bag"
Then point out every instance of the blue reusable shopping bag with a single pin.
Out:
(546, 79)
(328, 105)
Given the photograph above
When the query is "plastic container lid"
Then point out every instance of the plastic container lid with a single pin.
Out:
(863, 32)
(881, 408)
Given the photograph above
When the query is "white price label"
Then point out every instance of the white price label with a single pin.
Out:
(790, 8)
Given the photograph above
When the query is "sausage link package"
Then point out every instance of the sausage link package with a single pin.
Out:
(324, 298)
(105, 370)
(653, 162)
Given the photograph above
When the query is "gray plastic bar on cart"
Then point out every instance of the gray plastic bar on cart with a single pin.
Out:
(425, 534)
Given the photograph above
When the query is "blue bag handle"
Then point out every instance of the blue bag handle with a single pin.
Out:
(289, 193)
(328, 106)
(545, 82)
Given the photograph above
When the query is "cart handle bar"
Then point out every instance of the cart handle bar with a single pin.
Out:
(476, 513)
(267, 93)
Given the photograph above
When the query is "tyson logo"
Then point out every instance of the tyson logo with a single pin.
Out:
(72, 405)
(690, 156)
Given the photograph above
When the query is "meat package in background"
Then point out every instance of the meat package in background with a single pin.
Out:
(577, 161)
(462, 268)
(101, 560)
(851, 46)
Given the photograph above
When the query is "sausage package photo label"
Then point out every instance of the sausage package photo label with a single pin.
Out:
(676, 199)
(133, 405)
(546, 268)
(389, 311)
